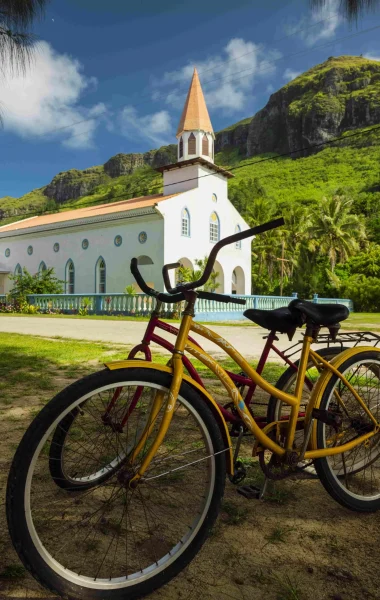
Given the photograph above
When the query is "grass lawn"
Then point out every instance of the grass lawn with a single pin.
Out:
(362, 321)
(295, 543)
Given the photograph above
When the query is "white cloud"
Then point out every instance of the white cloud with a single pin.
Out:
(227, 79)
(372, 56)
(48, 97)
(155, 127)
(270, 88)
(319, 26)
(290, 74)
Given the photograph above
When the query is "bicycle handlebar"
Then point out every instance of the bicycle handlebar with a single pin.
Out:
(231, 239)
(179, 297)
(176, 294)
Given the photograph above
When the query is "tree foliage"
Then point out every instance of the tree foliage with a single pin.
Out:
(43, 282)
(185, 274)
(352, 9)
(16, 42)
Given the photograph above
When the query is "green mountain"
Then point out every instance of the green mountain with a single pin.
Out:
(340, 97)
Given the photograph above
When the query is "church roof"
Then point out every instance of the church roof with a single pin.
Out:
(88, 212)
(194, 161)
(195, 114)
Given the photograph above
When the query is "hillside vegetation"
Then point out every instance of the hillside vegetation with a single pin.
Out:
(340, 98)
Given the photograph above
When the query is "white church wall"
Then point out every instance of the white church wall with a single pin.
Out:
(201, 203)
(101, 243)
(180, 180)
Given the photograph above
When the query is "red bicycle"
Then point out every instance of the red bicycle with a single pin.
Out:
(276, 321)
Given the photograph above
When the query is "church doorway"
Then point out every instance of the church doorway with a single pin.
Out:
(238, 281)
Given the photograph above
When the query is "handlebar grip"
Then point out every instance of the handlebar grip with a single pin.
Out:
(165, 274)
(167, 298)
(221, 298)
(141, 282)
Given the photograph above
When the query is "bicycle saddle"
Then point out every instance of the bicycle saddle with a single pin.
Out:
(279, 319)
(324, 315)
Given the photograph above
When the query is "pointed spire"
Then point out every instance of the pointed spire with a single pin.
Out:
(195, 114)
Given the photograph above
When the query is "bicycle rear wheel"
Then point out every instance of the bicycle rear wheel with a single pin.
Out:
(110, 542)
(353, 477)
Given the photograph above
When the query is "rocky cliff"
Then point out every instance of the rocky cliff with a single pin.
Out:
(340, 94)
(125, 164)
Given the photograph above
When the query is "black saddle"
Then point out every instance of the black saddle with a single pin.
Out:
(287, 319)
(279, 319)
(324, 315)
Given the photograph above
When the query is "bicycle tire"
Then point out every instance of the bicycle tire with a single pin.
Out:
(333, 475)
(24, 534)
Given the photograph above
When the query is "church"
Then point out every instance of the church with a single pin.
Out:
(91, 248)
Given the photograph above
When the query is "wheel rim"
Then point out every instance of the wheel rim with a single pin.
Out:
(356, 471)
(149, 528)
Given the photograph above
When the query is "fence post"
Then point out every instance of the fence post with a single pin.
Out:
(294, 294)
(315, 298)
(255, 302)
(98, 304)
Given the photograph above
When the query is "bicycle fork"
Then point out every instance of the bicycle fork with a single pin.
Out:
(175, 386)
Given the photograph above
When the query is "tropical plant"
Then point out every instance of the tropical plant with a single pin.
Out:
(185, 274)
(130, 290)
(16, 43)
(43, 282)
(335, 231)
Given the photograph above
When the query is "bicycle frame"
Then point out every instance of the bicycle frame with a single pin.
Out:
(177, 366)
(156, 323)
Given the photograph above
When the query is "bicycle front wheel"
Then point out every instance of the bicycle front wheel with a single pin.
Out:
(110, 542)
(352, 477)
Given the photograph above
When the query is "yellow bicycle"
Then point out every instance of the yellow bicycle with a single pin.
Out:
(151, 450)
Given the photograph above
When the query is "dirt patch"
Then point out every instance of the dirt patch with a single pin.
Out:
(297, 544)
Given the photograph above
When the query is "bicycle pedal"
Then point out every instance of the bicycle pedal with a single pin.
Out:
(251, 492)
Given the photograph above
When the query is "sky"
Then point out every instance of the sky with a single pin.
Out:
(108, 77)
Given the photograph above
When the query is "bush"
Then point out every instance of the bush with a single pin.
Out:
(43, 282)
(364, 292)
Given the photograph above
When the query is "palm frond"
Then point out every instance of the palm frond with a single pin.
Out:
(351, 9)
(19, 14)
(16, 51)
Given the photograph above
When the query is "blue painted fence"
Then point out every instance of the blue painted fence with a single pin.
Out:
(141, 304)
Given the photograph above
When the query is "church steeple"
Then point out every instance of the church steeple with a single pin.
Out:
(195, 133)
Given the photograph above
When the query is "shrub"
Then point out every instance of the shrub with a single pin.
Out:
(364, 292)
(43, 282)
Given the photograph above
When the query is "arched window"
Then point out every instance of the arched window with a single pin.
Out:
(205, 146)
(42, 267)
(214, 227)
(18, 270)
(181, 147)
(70, 277)
(100, 277)
(185, 223)
(238, 244)
(192, 144)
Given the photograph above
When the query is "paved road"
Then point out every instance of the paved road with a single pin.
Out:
(248, 340)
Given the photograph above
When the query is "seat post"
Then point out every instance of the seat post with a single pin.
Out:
(267, 348)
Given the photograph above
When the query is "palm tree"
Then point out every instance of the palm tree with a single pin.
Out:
(335, 231)
(352, 9)
(16, 43)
